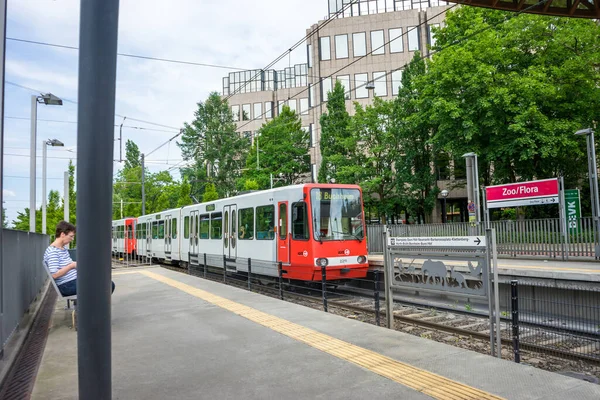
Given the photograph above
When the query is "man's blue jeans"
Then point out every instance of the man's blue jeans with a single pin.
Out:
(70, 288)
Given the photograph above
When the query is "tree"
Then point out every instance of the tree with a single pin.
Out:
(210, 193)
(338, 143)
(184, 194)
(283, 147)
(4, 218)
(373, 127)
(417, 180)
(132, 155)
(516, 92)
(211, 140)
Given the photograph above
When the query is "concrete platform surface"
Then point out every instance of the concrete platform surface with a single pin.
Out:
(176, 336)
(586, 271)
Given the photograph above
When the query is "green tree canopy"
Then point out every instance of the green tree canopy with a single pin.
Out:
(211, 141)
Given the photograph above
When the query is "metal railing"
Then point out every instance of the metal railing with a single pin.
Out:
(23, 276)
(533, 237)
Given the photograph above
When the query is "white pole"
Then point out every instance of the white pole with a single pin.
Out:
(32, 164)
(121, 208)
(44, 151)
(66, 197)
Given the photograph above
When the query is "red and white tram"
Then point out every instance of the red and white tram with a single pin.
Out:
(302, 226)
(123, 237)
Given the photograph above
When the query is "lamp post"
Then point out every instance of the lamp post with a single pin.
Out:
(593, 176)
(45, 144)
(444, 194)
(51, 100)
(473, 190)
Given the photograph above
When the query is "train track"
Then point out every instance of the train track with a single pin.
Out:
(448, 326)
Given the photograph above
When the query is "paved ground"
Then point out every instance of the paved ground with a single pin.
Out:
(182, 337)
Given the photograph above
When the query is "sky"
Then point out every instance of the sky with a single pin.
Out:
(155, 97)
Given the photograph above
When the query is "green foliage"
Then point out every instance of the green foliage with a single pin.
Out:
(515, 93)
(210, 193)
(250, 184)
(4, 218)
(212, 143)
(417, 180)
(132, 155)
(338, 142)
(283, 152)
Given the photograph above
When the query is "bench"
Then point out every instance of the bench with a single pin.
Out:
(68, 298)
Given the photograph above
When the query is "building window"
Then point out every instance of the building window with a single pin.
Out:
(258, 111)
(290, 78)
(360, 81)
(248, 136)
(280, 105)
(341, 46)
(301, 72)
(226, 86)
(325, 88)
(396, 45)
(235, 110)
(311, 131)
(309, 55)
(245, 112)
(325, 48)
(396, 82)
(431, 34)
(359, 44)
(380, 84)
(292, 105)
(270, 80)
(304, 106)
(268, 109)
(377, 42)
(345, 81)
(413, 38)
(311, 98)
(314, 172)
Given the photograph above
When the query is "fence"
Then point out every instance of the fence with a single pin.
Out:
(563, 323)
(535, 237)
(22, 277)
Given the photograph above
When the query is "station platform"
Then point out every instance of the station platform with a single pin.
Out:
(584, 271)
(183, 337)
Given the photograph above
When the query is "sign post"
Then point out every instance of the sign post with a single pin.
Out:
(531, 193)
(573, 209)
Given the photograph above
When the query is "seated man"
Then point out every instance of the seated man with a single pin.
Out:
(62, 267)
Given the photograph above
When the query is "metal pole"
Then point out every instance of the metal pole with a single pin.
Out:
(489, 262)
(66, 197)
(121, 208)
(3, 55)
(280, 268)
(496, 295)
(271, 175)
(44, 160)
(95, 147)
(562, 218)
(514, 286)
(377, 305)
(257, 159)
(249, 273)
(32, 165)
(477, 194)
(593, 172)
(143, 187)
(121, 140)
(444, 216)
(387, 281)
(324, 286)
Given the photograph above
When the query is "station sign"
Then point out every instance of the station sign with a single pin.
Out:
(438, 241)
(573, 209)
(531, 193)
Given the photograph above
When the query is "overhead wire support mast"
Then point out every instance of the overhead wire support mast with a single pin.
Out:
(121, 140)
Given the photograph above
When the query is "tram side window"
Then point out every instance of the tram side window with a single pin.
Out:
(216, 224)
(121, 232)
(299, 221)
(204, 226)
(174, 228)
(155, 230)
(161, 229)
(265, 222)
(246, 224)
(186, 227)
(129, 232)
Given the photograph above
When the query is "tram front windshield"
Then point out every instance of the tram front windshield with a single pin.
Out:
(337, 214)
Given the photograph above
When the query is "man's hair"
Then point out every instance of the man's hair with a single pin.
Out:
(64, 227)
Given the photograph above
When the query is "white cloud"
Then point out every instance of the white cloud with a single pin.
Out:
(8, 193)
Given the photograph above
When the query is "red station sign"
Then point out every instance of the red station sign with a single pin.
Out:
(532, 193)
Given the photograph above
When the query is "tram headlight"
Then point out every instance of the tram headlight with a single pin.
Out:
(322, 262)
(361, 259)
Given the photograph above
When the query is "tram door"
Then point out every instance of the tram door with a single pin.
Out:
(193, 226)
(230, 231)
(152, 229)
(168, 230)
(115, 233)
(283, 244)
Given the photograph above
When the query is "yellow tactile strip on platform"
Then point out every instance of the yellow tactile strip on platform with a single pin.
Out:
(418, 379)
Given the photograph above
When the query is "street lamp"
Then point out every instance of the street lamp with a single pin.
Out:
(370, 85)
(444, 194)
(474, 205)
(593, 176)
(45, 144)
(50, 100)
